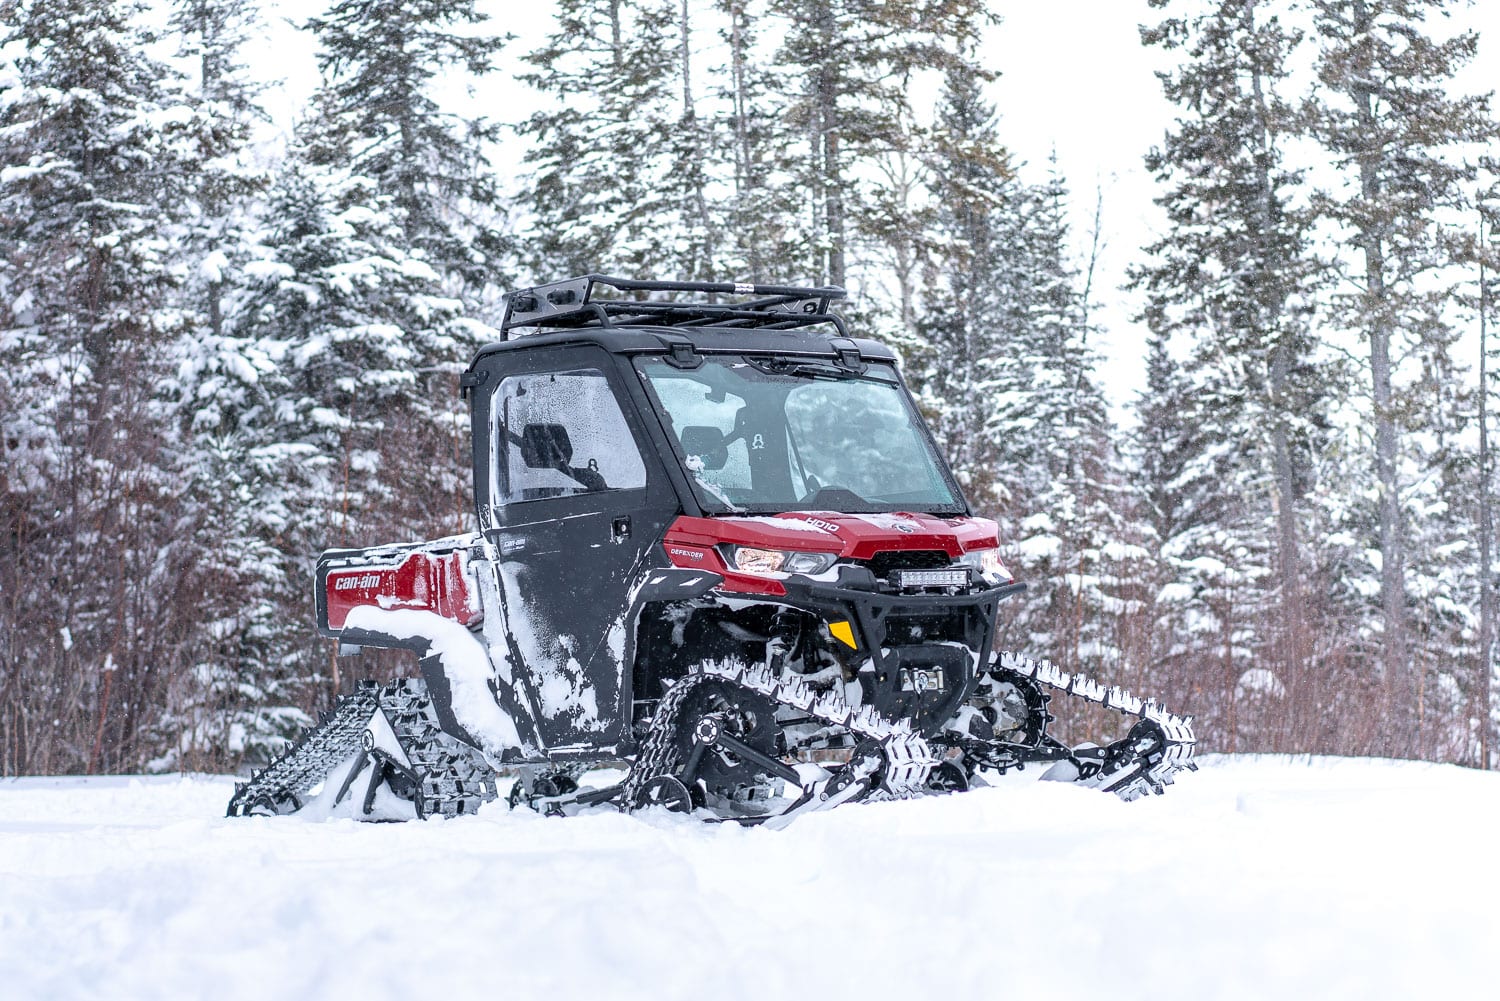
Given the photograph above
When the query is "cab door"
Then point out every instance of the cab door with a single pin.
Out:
(574, 503)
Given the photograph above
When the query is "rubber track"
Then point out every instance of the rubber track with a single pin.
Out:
(454, 778)
(909, 758)
(282, 785)
(1130, 773)
(1154, 768)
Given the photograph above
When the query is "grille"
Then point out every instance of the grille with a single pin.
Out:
(881, 564)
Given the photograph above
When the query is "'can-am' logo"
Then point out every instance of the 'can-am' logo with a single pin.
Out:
(356, 583)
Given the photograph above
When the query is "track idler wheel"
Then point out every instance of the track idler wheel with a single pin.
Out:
(667, 791)
(1014, 706)
(947, 777)
(265, 806)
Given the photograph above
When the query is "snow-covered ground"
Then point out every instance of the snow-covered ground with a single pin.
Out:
(1257, 878)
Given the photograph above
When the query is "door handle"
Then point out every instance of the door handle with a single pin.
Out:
(619, 529)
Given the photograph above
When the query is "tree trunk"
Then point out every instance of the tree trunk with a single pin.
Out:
(1288, 559)
(1486, 524)
(826, 146)
(703, 267)
(1272, 318)
(1378, 323)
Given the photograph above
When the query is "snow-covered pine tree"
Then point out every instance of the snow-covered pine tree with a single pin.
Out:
(391, 70)
(845, 67)
(236, 700)
(1233, 278)
(1441, 553)
(1005, 374)
(1058, 447)
(356, 323)
(1174, 492)
(211, 32)
(411, 206)
(964, 363)
(98, 141)
(761, 222)
(603, 195)
(350, 431)
(1396, 130)
(1004, 371)
(689, 198)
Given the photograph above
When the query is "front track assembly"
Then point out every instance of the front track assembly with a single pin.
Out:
(1146, 760)
(715, 736)
(717, 742)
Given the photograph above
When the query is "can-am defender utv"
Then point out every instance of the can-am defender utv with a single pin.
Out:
(717, 544)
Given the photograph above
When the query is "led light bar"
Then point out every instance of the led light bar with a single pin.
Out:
(949, 577)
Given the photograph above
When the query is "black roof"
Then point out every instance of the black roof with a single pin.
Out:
(774, 319)
(602, 301)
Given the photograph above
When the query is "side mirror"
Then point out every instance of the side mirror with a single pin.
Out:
(546, 446)
(707, 443)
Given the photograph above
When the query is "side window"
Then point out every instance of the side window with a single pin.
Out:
(557, 434)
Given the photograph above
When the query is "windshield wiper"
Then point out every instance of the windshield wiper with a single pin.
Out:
(802, 369)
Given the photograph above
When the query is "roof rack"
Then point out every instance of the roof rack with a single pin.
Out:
(572, 303)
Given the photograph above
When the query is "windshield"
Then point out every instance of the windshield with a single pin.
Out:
(768, 435)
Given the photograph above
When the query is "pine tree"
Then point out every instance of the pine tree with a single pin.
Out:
(350, 315)
(227, 180)
(602, 195)
(1062, 450)
(379, 245)
(965, 363)
(761, 225)
(1172, 494)
(847, 65)
(1388, 117)
(380, 118)
(1004, 371)
(97, 138)
(233, 498)
(1235, 274)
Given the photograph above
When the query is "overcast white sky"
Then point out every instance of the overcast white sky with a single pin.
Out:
(1074, 80)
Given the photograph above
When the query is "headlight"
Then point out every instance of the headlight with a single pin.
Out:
(987, 562)
(772, 561)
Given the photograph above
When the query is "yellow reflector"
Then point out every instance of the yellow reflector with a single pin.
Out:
(844, 633)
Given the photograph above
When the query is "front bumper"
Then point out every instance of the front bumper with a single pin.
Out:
(916, 655)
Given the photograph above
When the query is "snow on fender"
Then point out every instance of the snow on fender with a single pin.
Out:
(466, 665)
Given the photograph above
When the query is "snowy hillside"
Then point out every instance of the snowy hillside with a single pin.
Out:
(1254, 878)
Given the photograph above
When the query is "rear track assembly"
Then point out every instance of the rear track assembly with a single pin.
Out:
(438, 774)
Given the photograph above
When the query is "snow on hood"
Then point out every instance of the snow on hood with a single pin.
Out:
(857, 536)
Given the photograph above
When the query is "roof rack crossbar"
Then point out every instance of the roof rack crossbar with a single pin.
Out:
(572, 303)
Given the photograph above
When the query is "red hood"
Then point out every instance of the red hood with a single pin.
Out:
(853, 536)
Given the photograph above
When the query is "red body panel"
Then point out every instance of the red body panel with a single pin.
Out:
(420, 581)
(690, 542)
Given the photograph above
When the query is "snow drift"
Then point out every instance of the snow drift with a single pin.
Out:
(1258, 878)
